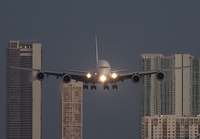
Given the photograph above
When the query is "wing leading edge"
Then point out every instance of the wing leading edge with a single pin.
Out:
(126, 76)
(40, 74)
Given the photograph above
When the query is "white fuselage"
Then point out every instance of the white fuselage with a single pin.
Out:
(102, 68)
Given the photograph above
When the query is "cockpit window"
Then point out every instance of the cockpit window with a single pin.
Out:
(103, 67)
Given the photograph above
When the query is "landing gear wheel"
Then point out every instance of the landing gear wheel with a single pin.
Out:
(114, 86)
(85, 86)
(93, 87)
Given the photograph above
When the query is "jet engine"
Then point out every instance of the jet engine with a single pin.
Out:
(40, 76)
(66, 78)
(135, 78)
(160, 76)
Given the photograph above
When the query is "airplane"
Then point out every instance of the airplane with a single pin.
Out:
(102, 74)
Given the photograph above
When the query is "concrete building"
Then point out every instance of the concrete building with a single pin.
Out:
(170, 127)
(23, 93)
(178, 94)
(72, 110)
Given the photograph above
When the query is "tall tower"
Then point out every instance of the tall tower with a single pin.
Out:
(72, 110)
(23, 93)
(178, 94)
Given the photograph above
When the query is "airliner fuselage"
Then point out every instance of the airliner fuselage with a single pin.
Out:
(102, 68)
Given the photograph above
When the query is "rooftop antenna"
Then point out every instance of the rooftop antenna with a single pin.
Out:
(96, 49)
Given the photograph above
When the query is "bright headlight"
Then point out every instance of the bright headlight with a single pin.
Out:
(89, 75)
(102, 78)
(114, 75)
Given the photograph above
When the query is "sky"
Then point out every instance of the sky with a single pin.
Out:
(125, 29)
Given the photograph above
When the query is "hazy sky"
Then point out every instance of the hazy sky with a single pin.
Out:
(125, 29)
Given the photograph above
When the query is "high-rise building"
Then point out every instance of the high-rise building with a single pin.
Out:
(178, 94)
(23, 93)
(72, 110)
(170, 127)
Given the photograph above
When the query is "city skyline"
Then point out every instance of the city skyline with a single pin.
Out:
(125, 29)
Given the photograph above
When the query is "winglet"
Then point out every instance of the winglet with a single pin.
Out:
(96, 48)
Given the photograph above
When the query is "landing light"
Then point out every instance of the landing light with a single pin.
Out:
(102, 78)
(88, 75)
(114, 75)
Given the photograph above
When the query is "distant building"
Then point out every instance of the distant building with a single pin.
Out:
(72, 110)
(170, 127)
(178, 94)
(23, 93)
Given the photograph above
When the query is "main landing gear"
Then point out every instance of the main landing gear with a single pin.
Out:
(93, 87)
(114, 86)
(107, 87)
(85, 86)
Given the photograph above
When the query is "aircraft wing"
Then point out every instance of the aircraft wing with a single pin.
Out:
(82, 76)
(59, 74)
(76, 71)
(122, 77)
(77, 77)
(115, 71)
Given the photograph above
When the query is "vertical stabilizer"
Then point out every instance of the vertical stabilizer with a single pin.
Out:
(96, 49)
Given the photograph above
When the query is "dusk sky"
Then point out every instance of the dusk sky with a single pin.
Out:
(125, 29)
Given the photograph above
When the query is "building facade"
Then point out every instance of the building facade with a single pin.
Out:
(170, 127)
(72, 110)
(178, 94)
(23, 93)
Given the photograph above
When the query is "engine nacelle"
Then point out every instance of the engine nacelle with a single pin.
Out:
(40, 76)
(135, 78)
(160, 76)
(66, 78)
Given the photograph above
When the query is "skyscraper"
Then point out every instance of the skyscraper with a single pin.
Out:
(23, 93)
(72, 110)
(178, 94)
